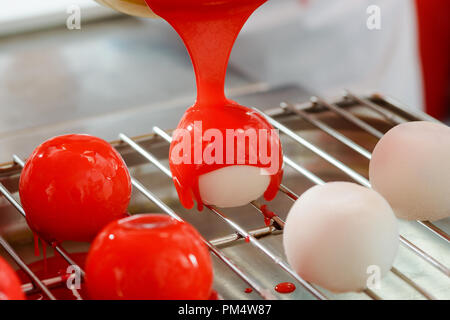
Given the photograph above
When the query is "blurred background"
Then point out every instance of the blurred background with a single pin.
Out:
(99, 79)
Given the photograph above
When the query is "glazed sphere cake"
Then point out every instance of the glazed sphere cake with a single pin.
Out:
(10, 286)
(335, 233)
(72, 186)
(149, 257)
(226, 157)
(410, 167)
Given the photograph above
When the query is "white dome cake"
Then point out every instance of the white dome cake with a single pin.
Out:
(410, 167)
(337, 233)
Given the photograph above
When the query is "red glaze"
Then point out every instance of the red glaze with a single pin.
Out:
(72, 186)
(285, 287)
(55, 267)
(149, 257)
(248, 290)
(10, 286)
(209, 29)
(214, 295)
(268, 215)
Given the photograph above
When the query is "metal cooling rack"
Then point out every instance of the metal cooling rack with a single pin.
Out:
(349, 108)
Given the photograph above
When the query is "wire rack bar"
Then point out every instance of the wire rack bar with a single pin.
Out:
(372, 294)
(242, 232)
(29, 288)
(257, 233)
(348, 116)
(338, 164)
(437, 231)
(414, 285)
(327, 129)
(389, 116)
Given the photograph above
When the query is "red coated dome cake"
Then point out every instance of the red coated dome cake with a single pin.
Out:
(149, 257)
(10, 286)
(236, 156)
(240, 157)
(72, 186)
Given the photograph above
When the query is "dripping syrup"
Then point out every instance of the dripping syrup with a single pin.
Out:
(268, 215)
(37, 251)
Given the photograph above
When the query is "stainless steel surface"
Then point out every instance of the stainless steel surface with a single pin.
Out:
(312, 156)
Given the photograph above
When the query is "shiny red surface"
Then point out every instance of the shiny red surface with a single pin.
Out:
(72, 186)
(149, 257)
(10, 286)
(285, 287)
(209, 29)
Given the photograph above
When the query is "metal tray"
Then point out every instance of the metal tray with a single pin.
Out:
(322, 141)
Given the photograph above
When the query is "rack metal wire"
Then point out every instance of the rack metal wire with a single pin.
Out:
(277, 224)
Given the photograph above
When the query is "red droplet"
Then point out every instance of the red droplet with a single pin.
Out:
(214, 295)
(285, 287)
(266, 212)
(247, 239)
(248, 290)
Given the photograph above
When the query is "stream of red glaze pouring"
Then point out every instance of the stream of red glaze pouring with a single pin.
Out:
(209, 29)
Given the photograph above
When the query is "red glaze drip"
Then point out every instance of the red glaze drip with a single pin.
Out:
(247, 239)
(209, 29)
(268, 215)
(285, 287)
(248, 290)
